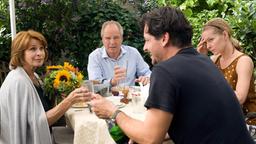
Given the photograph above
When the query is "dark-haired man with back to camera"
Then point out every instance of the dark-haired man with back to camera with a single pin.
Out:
(188, 97)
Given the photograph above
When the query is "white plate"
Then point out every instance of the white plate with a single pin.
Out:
(121, 105)
(116, 101)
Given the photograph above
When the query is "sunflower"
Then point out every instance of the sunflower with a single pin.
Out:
(69, 67)
(61, 80)
(79, 76)
(49, 68)
(62, 76)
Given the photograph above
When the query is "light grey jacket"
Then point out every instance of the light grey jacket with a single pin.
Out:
(22, 117)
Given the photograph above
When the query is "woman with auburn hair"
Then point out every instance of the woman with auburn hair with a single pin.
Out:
(24, 114)
(236, 66)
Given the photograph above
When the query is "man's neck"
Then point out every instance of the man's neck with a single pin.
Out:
(114, 55)
(170, 52)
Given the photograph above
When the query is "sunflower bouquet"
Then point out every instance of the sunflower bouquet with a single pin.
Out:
(61, 80)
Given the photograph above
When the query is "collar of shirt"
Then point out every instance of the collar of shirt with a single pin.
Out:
(188, 50)
(105, 55)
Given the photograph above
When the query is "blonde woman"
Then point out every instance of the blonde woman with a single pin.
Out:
(236, 66)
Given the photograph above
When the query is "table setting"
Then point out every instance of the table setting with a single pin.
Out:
(90, 129)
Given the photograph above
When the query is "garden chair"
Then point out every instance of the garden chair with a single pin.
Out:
(62, 135)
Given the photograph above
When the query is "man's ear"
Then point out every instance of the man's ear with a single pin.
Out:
(122, 39)
(165, 39)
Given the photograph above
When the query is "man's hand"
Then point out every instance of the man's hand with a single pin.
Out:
(102, 107)
(143, 79)
(119, 74)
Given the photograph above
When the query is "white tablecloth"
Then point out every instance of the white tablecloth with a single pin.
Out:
(89, 129)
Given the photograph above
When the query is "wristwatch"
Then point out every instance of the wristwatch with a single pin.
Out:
(113, 117)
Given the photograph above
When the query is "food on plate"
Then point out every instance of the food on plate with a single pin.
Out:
(124, 100)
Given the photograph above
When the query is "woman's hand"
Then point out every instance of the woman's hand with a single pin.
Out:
(78, 95)
(81, 94)
(202, 47)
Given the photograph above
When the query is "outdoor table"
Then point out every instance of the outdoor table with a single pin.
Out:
(89, 129)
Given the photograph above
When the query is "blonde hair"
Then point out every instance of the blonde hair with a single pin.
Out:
(20, 44)
(109, 23)
(221, 25)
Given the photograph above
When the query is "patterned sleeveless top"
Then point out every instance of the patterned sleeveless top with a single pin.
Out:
(231, 76)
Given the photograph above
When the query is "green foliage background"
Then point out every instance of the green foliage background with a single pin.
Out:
(72, 27)
(241, 15)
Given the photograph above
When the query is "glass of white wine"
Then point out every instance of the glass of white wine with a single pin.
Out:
(89, 85)
(122, 85)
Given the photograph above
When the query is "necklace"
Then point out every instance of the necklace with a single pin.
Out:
(32, 76)
(230, 52)
(228, 60)
(34, 80)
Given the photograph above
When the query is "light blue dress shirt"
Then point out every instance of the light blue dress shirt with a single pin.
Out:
(101, 66)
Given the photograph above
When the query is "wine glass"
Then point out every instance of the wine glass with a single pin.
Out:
(122, 85)
(89, 85)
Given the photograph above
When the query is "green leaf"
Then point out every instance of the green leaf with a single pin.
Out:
(211, 2)
(188, 12)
